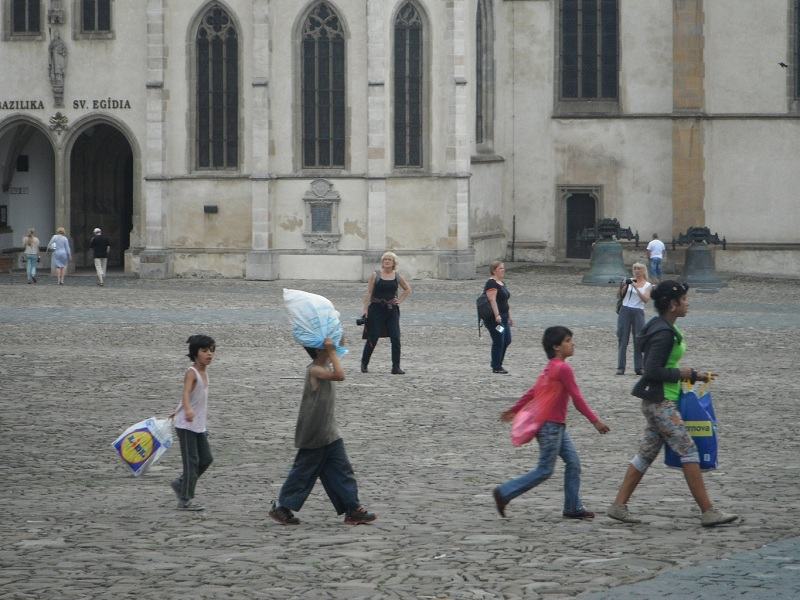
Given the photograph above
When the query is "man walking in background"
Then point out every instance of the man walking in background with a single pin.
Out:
(100, 245)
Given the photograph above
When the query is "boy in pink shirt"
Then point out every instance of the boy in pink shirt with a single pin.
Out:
(554, 441)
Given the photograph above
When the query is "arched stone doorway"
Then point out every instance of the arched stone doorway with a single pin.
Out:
(101, 191)
(27, 183)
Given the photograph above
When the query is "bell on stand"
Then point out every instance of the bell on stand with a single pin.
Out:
(699, 269)
(607, 266)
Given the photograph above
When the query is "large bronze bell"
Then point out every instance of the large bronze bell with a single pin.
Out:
(607, 267)
(699, 270)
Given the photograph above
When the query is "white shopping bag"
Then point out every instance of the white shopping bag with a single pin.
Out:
(141, 445)
(313, 319)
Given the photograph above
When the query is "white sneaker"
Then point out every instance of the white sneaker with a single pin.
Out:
(620, 513)
(713, 517)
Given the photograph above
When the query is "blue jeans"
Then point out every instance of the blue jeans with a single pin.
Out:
(554, 441)
(30, 265)
(331, 465)
(500, 341)
(655, 267)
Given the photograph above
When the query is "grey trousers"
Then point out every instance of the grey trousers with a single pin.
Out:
(629, 320)
(196, 458)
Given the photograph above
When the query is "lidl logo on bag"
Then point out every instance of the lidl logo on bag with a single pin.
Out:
(699, 428)
(137, 446)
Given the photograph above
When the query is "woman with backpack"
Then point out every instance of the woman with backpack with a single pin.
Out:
(500, 325)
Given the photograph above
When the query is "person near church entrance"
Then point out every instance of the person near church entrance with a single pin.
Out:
(382, 310)
(59, 246)
(30, 244)
(100, 245)
(656, 252)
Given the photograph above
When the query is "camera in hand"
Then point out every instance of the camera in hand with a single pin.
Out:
(361, 321)
(628, 280)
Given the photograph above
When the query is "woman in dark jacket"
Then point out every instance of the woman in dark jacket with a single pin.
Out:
(659, 388)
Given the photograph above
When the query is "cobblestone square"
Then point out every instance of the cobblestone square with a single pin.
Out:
(80, 363)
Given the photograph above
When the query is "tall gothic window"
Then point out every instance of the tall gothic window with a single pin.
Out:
(323, 88)
(408, 79)
(25, 16)
(96, 15)
(217, 48)
(484, 72)
(796, 27)
(589, 49)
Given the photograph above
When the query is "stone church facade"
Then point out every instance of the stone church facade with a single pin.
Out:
(302, 138)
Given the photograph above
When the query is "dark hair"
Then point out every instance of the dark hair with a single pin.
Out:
(312, 352)
(554, 336)
(197, 342)
(667, 291)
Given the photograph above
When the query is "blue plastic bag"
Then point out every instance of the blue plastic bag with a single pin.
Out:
(697, 412)
(313, 319)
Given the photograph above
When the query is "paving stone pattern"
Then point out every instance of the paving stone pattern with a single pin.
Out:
(79, 363)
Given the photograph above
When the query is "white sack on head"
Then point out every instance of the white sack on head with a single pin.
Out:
(313, 319)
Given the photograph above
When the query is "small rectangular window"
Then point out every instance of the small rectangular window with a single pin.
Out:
(22, 163)
(25, 17)
(96, 16)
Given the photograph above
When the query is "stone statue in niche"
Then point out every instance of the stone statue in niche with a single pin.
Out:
(58, 68)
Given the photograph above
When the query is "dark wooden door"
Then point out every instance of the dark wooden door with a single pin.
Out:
(581, 213)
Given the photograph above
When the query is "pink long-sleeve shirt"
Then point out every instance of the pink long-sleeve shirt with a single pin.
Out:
(561, 373)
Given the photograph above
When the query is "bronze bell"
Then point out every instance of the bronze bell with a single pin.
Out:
(607, 267)
(699, 269)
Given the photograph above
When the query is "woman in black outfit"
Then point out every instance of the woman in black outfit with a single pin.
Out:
(382, 310)
(498, 295)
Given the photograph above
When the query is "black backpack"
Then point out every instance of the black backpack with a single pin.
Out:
(485, 312)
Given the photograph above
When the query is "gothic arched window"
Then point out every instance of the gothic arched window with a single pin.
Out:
(484, 72)
(796, 36)
(589, 49)
(217, 49)
(408, 92)
(323, 88)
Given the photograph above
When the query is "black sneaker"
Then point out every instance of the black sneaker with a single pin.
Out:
(358, 516)
(501, 371)
(578, 514)
(499, 502)
(189, 505)
(398, 371)
(282, 515)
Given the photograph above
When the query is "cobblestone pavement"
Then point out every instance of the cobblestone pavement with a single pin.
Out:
(79, 363)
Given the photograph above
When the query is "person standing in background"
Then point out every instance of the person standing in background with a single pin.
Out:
(656, 251)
